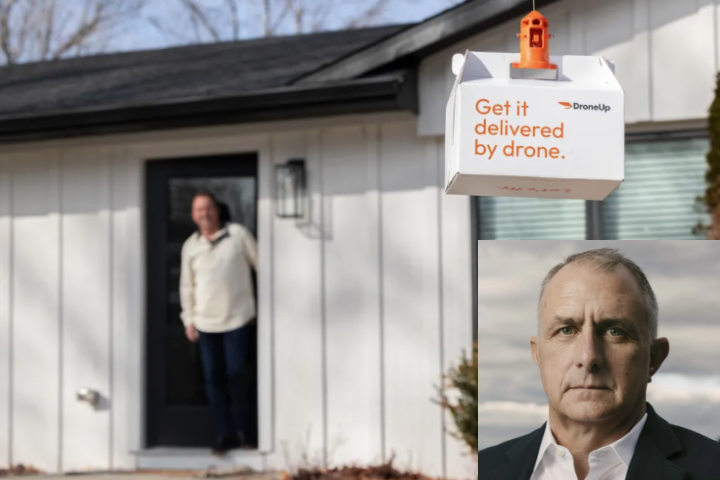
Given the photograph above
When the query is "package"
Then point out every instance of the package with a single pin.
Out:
(558, 137)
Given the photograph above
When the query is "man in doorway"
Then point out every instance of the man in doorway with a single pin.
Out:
(218, 303)
(597, 349)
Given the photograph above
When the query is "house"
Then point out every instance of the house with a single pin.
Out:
(365, 298)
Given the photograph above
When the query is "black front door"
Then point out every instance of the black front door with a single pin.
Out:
(177, 412)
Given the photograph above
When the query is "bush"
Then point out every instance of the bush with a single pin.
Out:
(459, 396)
(711, 199)
(380, 472)
(19, 470)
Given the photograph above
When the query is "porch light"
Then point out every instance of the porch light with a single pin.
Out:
(290, 188)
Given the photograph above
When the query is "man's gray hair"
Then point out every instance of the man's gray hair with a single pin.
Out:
(608, 259)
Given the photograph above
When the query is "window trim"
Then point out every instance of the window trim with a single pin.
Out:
(594, 220)
(666, 135)
(475, 226)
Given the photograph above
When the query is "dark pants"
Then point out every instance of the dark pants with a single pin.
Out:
(223, 359)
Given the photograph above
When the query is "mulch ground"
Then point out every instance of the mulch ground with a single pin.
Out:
(380, 472)
(19, 470)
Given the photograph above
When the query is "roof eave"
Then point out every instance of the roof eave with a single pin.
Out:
(388, 93)
(425, 38)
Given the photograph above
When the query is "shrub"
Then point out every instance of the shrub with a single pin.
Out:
(711, 199)
(385, 471)
(459, 396)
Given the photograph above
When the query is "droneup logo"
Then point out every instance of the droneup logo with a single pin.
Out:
(579, 106)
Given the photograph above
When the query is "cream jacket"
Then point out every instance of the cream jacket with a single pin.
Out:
(216, 290)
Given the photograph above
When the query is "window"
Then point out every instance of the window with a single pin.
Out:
(507, 218)
(658, 199)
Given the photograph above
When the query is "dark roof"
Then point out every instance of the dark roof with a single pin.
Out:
(412, 44)
(332, 73)
(179, 74)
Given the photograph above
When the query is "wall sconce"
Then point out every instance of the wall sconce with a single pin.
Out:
(290, 189)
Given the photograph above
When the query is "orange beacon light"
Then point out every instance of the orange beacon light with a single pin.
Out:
(534, 50)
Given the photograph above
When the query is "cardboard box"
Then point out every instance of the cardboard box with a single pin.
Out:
(561, 138)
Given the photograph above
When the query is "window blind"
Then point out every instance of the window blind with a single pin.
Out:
(658, 198)
(506, 218)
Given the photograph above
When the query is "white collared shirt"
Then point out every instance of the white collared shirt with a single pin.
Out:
(555, 462)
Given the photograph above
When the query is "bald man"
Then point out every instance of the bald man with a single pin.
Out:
(597, 349)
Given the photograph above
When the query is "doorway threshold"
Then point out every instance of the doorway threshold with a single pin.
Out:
(199, 459)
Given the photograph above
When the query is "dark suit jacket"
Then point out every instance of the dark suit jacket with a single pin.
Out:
(663, 452)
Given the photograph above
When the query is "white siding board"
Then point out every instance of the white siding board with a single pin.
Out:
(608, 29)
(298, 322)
(576, 28)
(434, 91)
(559, 18)
(455, 279)
(267, 373)
(351, 263)
(373, 198)
(36, 329)
(708, 27)
(682, 59)
(120, 389)
(135, 287)
(607, 25)
(411, 355)
(432, 304)
(86, 307)
(5, 307)
(638, 89)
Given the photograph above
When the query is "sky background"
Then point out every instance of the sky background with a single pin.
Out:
(155, 24)
(686, 278)
(141, 34)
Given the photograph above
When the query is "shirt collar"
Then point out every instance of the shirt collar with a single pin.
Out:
(548, 441)
(624, 448)
(218, 235)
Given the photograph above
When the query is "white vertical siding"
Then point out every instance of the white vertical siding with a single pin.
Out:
(65, 297)
(36, 321)
(666, 54)
(297, 310)
(434, 88)
(120, 356)
(455, 284)
(131, 413)
(86, 312)
(352, 297)
(560, 17)
(267, 420)
(638, 101)
(5, 309)
(362, 305)
(682, 58)
(431, 257)
(411, 326)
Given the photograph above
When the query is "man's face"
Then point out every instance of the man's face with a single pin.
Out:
(592, 349)
(205, 213)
